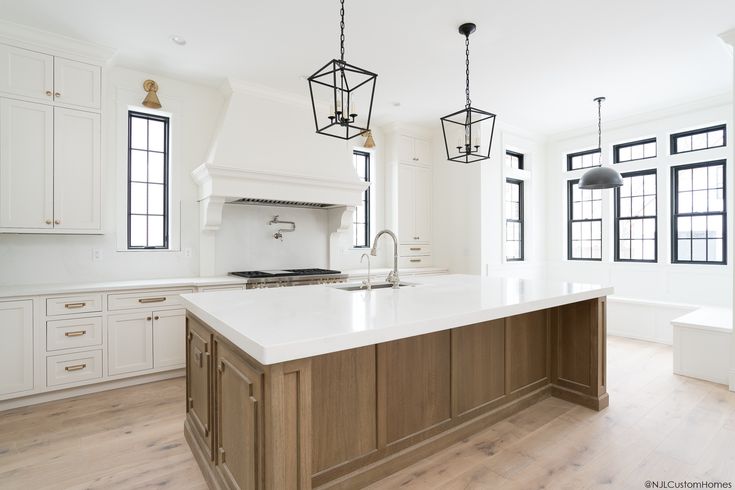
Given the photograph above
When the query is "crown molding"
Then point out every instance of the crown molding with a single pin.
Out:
(55, 44)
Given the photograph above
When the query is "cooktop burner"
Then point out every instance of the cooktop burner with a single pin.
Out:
(283, 273)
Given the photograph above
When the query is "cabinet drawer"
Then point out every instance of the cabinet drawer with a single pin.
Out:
(414, 249)
(73, 332)
(415, 261)
(220, 288)
(67, 305)
(73, 368)
(148, 299)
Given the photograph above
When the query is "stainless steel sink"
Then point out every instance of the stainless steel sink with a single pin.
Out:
(377, 285)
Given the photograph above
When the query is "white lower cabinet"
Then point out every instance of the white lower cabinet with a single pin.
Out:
(169, 338)
(129, 343)
(73, 368)
(16, 347)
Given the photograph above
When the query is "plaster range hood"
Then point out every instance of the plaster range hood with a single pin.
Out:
(250, 163)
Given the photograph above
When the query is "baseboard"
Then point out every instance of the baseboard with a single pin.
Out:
(87, 389)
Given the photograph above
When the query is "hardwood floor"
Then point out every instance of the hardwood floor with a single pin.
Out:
(658, 427)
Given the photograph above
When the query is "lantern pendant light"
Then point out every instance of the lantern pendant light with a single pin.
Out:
(600, 177)
(346, 90)
(468, 133)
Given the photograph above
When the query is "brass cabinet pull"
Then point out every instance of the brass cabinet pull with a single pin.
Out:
(57, 221)
(416, 238)
(152, 300)
(73, 306)
(49, 93)
(415, 249)
(156, 317)
(57, 94)
(147, 318)
(49, 222)
(415, 260)
(77, 333)
(76, 367)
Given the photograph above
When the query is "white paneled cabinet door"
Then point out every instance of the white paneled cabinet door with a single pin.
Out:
(77, 83)
(422, 205)
(406, 203)
(26, 73)
(421, 151)
(169, 338)
(77, 167)
(129, 343)
(26, 164)
(405, 149)
(16, 347)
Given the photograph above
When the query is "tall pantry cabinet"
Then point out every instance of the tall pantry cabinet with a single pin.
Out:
(50, 154)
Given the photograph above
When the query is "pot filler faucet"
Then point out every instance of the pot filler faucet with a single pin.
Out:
(392, 275)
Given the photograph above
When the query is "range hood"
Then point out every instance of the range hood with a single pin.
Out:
(265, 152)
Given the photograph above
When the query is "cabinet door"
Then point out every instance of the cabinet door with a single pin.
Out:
(421, 151)
(198, 382)
(405, 149)
(406, 204)
(26, 164)
(422, 193)
(16, 348)
(77, 83)
(77, 168)
(129, 343)
(239, 454)
(26, 73)
(169, 338)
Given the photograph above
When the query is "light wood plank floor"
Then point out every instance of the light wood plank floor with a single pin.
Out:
(658, 427)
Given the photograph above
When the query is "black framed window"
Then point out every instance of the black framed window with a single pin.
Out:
(636, 218)
(699, 221)
(148, 181)
(361, 224)
(637, 150)
(514, 220)
(584, 226)
(699, 139)
(514, 160)
(583, 159)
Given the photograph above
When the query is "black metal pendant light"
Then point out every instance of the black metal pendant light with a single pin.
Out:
(600, 177)
(468, 133)
(342, 94)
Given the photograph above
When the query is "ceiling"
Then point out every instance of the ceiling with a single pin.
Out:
(536, 63)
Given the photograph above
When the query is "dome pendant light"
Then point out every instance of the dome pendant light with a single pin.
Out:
(348, 92)
(468, 133)
(600, 177)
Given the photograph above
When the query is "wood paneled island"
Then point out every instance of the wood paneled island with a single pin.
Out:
(379, 379)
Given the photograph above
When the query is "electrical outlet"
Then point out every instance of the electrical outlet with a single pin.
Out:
(96, 254)
(187, 253)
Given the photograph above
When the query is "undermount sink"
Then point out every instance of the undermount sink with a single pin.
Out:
(363, 287)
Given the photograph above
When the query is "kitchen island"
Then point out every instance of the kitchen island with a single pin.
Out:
(318, 386)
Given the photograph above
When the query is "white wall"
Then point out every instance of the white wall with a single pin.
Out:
(27, 259)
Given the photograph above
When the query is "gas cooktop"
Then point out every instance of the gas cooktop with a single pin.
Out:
(283, 273)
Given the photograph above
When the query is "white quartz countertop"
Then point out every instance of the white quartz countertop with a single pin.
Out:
(67, 288)
(283, 324)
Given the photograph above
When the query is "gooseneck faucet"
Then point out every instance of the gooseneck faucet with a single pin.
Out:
(392, 275)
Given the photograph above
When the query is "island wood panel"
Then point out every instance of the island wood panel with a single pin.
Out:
(478, 365)
(527, 345)
(414, 385)
(199, 383)
(239, 443)
(343, 402)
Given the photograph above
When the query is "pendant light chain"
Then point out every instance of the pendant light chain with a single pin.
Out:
(342, 30)
(599, 125)
(467, 71)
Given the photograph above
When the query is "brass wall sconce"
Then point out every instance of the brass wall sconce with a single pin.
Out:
(369, 141)
(151, 98)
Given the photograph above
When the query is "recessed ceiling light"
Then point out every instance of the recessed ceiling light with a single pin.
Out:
(178, 40)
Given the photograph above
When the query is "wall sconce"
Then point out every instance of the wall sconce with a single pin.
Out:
(369, 141)
(151, 98)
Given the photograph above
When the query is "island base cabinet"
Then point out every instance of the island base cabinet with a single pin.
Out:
(349, 418)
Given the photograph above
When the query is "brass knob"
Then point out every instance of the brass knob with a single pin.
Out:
(156, 317)
(148, 319)
(48, 222)
(49, 93)
(57, 221)
(57, 94)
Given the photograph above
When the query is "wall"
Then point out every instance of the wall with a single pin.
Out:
(656, 283)
(27, 259)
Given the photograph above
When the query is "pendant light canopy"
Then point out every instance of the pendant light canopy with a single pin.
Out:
(600, 177)
(342, 94)
(468, 133)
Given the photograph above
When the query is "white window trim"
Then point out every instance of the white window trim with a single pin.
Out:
(126, 100)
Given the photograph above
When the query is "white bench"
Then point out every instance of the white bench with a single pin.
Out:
(702, 342)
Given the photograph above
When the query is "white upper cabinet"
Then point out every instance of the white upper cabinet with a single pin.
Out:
(26, 165)
(422, 227)
(26, 73)
(77, 84)
(16, 348)
(77, 168)
(413, 150)
(414, 204)
(39, 76)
